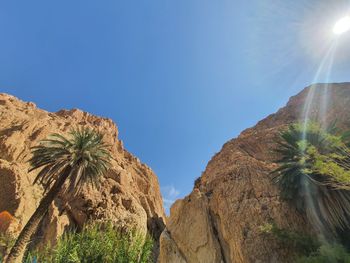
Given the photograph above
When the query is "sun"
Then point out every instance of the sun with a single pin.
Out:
(342, 25)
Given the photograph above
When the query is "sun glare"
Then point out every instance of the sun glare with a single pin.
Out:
(342, 26)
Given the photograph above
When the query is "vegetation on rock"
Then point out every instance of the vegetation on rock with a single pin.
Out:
(303, 244)
(66, 164)
(6, 241)
(97, 243)
(327, 254)
(308, 249)
(314, 174)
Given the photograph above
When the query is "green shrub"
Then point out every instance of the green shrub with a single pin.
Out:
(327, 254)
(314, 174)
(98, 243)
(6, 241)
(309, 250)
(301, 243)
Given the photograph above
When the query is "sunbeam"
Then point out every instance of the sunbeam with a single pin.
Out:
(323, 74)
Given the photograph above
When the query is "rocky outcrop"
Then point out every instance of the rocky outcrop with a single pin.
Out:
(220, 220)
(129, 193)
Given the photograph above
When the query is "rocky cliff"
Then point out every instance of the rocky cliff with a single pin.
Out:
(129, 196)
(220, 221)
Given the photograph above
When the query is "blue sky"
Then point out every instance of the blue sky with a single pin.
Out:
(179, 77)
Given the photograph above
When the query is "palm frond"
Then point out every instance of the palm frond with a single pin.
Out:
(84, 151)
(314, 174)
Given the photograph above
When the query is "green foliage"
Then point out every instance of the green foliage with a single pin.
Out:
(308, 248)
(6, 241)
(98, 243)
(84, 153)
(301, 243)
(327, 254)
(66, 165)
(315, 169)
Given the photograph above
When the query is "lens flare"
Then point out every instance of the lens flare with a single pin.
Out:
(342, 26)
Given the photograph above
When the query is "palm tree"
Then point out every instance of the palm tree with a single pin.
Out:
(314, 174)
(66, 164)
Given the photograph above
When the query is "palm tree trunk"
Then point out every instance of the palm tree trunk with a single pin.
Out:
(17, 251)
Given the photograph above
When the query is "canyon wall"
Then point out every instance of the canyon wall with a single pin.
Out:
(221, 220)
(129, 195)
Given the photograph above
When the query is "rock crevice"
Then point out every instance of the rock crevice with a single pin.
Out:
(224, 248)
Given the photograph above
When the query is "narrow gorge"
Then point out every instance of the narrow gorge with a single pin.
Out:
(220, 221)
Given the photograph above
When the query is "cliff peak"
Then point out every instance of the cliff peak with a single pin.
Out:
(129, 195)
(220, 220)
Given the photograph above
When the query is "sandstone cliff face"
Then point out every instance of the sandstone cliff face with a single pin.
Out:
(129, 196)
(220, 220)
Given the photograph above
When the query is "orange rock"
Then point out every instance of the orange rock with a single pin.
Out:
(220, 220)
(5, 220)
(22, 126)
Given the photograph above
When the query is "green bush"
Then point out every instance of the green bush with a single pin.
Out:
(97, 243)
(6, 241)
(309, 249)
(315, 169)
(327, 254)
(301, 243)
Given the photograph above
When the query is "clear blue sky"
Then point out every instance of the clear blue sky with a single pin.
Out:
(179, 77)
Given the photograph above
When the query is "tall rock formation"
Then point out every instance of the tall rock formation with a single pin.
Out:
(220, 221)
(129, 194)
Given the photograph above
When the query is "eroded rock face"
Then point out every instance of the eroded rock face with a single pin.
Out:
(129, 196)
(220, 220)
